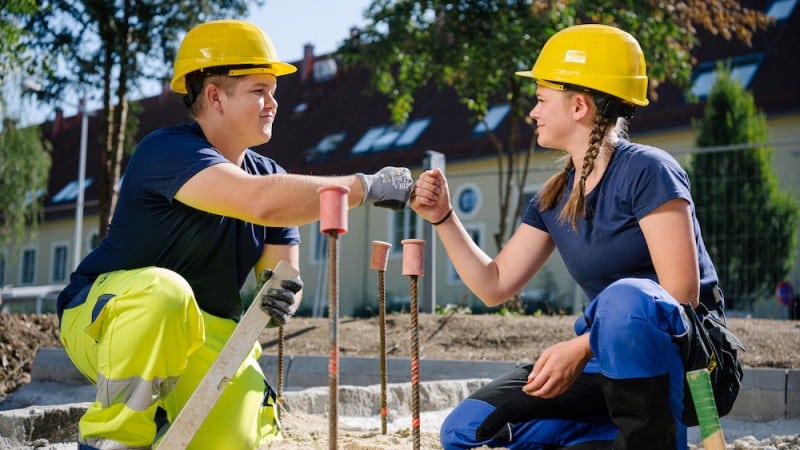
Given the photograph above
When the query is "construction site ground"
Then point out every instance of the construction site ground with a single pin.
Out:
(770, 344)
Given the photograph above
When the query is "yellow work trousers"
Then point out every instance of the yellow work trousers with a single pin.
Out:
(141, 338)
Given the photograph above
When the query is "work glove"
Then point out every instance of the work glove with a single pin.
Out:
(279, 302)
(389, 187)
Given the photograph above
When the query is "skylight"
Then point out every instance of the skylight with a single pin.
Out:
(493, 118)
(741, 72)
(70, 191)
(781, 9)
(326, 145)
(383, 137)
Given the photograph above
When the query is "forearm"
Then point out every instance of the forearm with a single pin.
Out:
(476, 269)
(290, 199)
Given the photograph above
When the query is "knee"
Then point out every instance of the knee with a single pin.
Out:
(459, 430)
(629, 299)
(173, 292)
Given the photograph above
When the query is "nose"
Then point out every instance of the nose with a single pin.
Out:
(533, 113)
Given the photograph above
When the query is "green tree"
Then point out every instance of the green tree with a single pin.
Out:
(24, 170)
(749, 226)
(111, 48)
(24, 156)
(14, 55)
(474, 47)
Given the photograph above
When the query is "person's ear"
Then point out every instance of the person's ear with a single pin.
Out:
(581, 106)
(212, 94)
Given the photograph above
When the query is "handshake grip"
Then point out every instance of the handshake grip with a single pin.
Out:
(279, 302)
(389, 187)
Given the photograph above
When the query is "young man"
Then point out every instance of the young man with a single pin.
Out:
(147, 312)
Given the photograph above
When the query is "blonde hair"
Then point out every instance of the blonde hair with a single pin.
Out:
(603, 135)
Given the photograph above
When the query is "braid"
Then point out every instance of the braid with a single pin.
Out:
(554, 188)
(575, 207)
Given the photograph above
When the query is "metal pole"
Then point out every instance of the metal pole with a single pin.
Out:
(333, 222)
(432, 160)
(378, 261)
(413, 267)
(78, 253)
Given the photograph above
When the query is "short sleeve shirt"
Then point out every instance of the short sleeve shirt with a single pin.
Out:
(608, 244)
(214, 253)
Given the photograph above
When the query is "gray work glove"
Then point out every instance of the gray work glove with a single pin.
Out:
(280, 302)
(389, 187)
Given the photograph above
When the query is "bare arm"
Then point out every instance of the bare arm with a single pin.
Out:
(669, 233)
(493, 280)
(273, 200)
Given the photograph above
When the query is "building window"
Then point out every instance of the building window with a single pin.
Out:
(492, 120)
(476, 233)
(468, 200)
(781, 9)
(404, 226)
(326, 145)
(70, 191)
(59, 273)
(28, 268)
(383, 137)
(742, 71)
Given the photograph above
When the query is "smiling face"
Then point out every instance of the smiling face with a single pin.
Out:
(552, 116)
(564, 118)
(249, 108)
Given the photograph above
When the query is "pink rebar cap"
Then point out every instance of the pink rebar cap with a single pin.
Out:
(413, 258)
(333, 209)
(380, 255)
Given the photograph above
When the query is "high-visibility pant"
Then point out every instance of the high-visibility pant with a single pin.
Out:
(141, 338)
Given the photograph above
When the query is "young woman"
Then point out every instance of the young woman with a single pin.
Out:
(621, 216)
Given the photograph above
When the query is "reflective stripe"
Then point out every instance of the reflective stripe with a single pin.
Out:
(136, 393)
(105, 444)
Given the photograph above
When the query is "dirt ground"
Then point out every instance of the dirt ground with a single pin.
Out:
(769, 343)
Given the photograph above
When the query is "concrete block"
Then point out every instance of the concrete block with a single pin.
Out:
(762, 397)
(302, 372)
(53, 364)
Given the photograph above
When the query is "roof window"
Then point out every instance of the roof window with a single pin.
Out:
(492, 120)
(781, 9)
(742, 70)
(383, 137)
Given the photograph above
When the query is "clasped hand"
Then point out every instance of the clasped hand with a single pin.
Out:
(389, 187)
(279, 302)
(431, 197)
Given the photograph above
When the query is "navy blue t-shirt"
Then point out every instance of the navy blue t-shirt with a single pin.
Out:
(608, 244)
(215, 254)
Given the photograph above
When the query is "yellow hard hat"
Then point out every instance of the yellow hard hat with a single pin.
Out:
(598, 57)
(240, 46)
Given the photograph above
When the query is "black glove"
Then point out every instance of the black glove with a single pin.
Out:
(279, 302)
(389, 187)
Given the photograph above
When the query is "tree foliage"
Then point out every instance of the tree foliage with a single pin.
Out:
(475, 46)
(14, 55)
(24, 171)
(108, 49)
(749, 226)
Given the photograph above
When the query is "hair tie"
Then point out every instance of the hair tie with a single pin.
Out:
(583, 178)
(446, 216)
